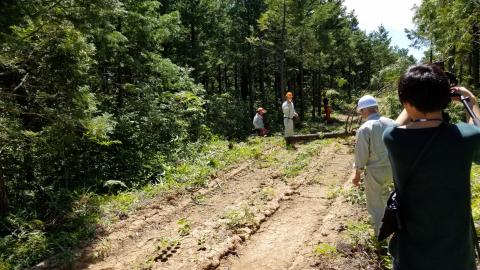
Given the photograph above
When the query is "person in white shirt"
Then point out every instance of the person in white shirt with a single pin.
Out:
(371, 155)
(259, 124)
(288, 114)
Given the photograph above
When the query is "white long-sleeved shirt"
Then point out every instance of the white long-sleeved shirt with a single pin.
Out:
(258, 121)
(288, 110)
(370, 151)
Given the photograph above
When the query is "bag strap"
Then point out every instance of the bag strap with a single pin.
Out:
(422, 153)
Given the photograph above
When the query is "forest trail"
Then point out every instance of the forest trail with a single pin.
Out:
(267, 213)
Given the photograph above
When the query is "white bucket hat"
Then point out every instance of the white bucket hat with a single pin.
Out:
(366, 102)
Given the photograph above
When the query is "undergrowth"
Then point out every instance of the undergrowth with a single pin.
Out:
(475, 182)
(30, 241)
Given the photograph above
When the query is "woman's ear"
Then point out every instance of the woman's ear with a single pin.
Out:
(407, 106)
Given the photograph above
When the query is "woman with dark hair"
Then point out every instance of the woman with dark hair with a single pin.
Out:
(431, 162)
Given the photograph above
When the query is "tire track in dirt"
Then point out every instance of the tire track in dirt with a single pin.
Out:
(129, 243)
(149, 239)
(280, 240)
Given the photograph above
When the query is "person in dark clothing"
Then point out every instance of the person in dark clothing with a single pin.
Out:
(435, 210)
(327, 110)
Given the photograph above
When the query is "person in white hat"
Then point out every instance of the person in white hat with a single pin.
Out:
(371, 156)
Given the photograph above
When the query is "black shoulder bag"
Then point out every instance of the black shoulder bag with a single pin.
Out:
(391, 218)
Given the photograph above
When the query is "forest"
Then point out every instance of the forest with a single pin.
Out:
(103, 97)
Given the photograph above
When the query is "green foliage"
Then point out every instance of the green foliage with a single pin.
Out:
(361, 235)
(294, 167)
(105, 104)
(267, 194)
(475, 182)
(184, 228)
(229, 116)
(456, 111)
(450, 29)
(356, 196)
(325, 249)
(334, 192)
(27, 245)
(240, 217)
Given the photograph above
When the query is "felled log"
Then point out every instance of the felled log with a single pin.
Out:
(318, 136)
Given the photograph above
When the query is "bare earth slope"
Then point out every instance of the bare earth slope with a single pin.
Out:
(267, 213)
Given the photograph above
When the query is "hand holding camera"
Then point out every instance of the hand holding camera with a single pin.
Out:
(469, 101)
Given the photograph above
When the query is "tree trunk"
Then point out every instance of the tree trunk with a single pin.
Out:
(205, 84)
(301, 91)
(283, 47)
(244, 83)
(320, 96)
(261, 78)
(251, 92)
(193, 48)
(470, 68)
(476, 55)
(219, 78)
(277, 83)
(460, 75)
(225, 76)
(350, 81)
(3, 196)
(235, 75)
(314, 94)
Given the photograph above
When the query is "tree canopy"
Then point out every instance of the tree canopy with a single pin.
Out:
(110, 91)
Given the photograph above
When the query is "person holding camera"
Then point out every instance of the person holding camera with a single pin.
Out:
(371, 156)
(431, 161)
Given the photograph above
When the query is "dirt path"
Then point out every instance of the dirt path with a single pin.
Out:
(279, 242)
(263, 214)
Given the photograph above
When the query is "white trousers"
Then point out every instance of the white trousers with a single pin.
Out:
(288, 127)
(377, 190)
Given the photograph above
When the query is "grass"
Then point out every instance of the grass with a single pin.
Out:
(356, 195)
(185, 227)
(294, 167)
(267, 194)
(361, 236)
(325, 249)
(240, 217)
(334, 192)
(475, 182)
(208, 160)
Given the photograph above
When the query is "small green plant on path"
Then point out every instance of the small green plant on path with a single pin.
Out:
(295, 167)
(267, 194)
(360, 234)
(325, 249)
(356, 195)
(184, 228)
(334, 192)
(240, 217)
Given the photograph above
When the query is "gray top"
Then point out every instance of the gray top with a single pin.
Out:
(370, 151)
(288, 110)
(258, 121)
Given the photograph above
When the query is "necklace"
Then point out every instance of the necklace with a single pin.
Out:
(426, 120)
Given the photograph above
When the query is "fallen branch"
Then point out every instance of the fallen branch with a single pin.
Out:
(318, 136)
